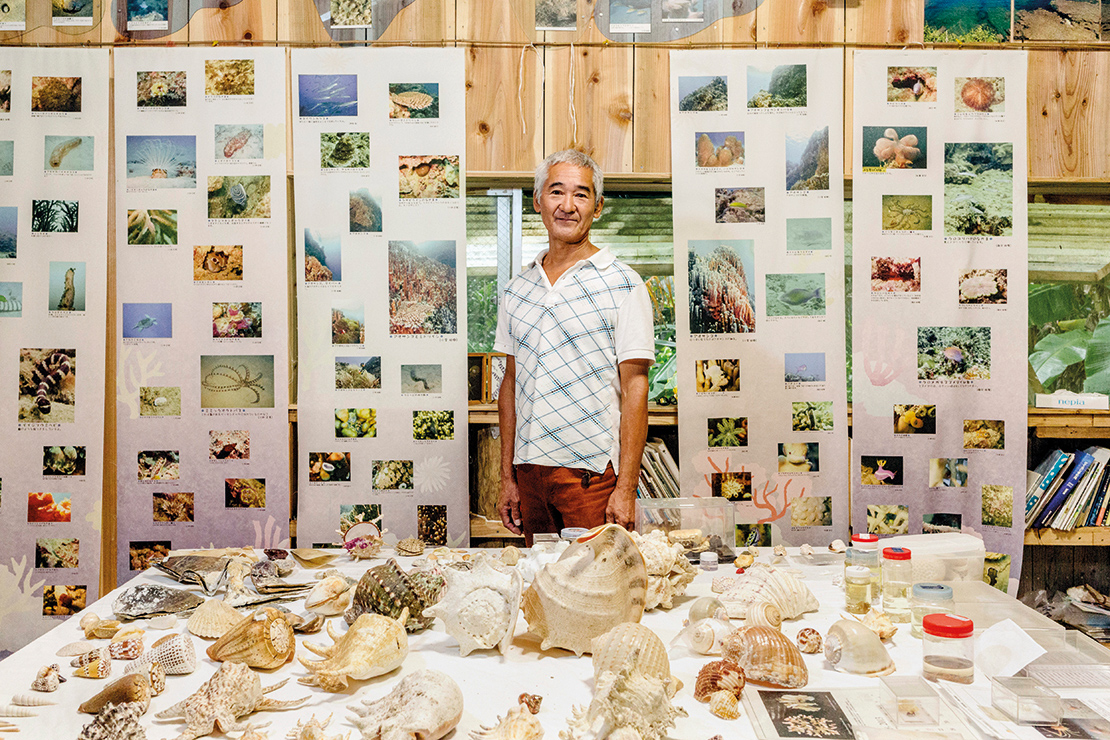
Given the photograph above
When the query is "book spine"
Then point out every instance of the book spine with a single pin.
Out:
(1079, 469)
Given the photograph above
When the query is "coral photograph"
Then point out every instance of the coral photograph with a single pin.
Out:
(7, 157)
(47, 385)
(732, 486)
(799, 457)
(391, 474)
(894, 275)
(236, 381)
(815, 416)
(358, 372)
(63, 600)
(980, 95)
(433, 424)
(556, 15)
(49, 507)
(728, 432)
(811, 511)
(739, 205)
(348, 323)
(880, 471)
(173, 507)
(935, 523)
(161, 162)
(953, 352)
(56, 94)
(907, 212)
(154, 226)
(910, 418)
(239, 196)
(796, 294)
(808, 234)
(721, 293)
(352, 514)
(807, 159)
(998, 506)
(414, 100)
(148, 15)
(327, 95)
(356, 423)
(422, 288)
(145, 553)
(68, 153)
(345, 150)
(703, 93)
(428, 176)
(323, 256)
(5, 91)
(69, 460)
(717, 376)
(245, 493)
(218, 262)
(352, 13)
(888, 519)
(804, 367)
(683, 11)
(229, 444)
(329, 466)
(159, 400)
(365, 211)
(719, 148)
(421, 378)
(782, 86)
(239, 141)
(983, 286)
(57, 552)
(911, 84)
(895, 149)
(978, 189)
(159, 465)
(431, 524)
(229, 77)
(984, 434)
(160, 90)
(9, 231)
(57, 216)
(241, 320)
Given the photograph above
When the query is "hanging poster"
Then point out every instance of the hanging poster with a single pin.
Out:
(378, 145)
(53, 278)
(759, 265)
(202, 369)
(939, 366)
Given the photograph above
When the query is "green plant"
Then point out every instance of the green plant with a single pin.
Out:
(1069, 336)
(662, 377)
(481, 312)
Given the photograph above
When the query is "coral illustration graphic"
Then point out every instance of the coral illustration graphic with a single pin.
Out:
(135, 372)
(268, 534)
(19, 610)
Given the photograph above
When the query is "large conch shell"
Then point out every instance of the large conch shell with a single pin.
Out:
(330, 596)
(598, 583)
(668, 570)
(517, 724)
(426, 704)
(372, 646)
(262, 639)
(386, 589)
(480, 606)
(767, 656)
(632, 644)
(626, 704)
(789, 595)
(853, 648)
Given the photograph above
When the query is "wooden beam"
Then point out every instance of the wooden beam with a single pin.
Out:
(800, 21)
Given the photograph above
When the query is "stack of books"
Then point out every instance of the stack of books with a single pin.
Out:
(658, 472)
(1068, 490)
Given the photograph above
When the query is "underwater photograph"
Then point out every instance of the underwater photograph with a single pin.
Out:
(57, 552)
(911, 84)
(556, 15)
(753, 535)
(431, 524)
(717, 376)
(967, 21)
(5, 90)
(229, 444)
(915, 418)
(159, 465)
(159, 400)
(727, 431)
(811, 511)
(391, 474)
(241, 320)
(811, 416)
(329, 466)
(358, 372)
(731, 486)
(781, 86)
(356, 423)
(236, 381)
(67, 286)
(998, 506)
(414, 100)
(348, 322)
(154, 226)
(721, 293)
(352, 514)
(948, 472)
(703, 93)
(57, 94)
(984, 434)
(49, 507)
(147, 15)
(421, 378)
(323, 254)
(365, 212)
(7, 158)
(352, 13)
(428, 176)
(895, 275)
(173, 507)
(953, 352)
(147, 320)
(245, 493)
(433, 424)
(217, 262)
(58, 600)
(979, 189)
(422, 288)
(684, 11)
(144, 553)
(239, 196)
(984, 285)
(9, 231)
(936, 523)
(68, 460)
(980, 95)
(345, 150)
(808, 234)
(239, 141)
(796, 294)
(888, 519)
(895, 149)
(739, 205)
(229, 77)
(11, 300)
(719, 148)
(47, 385)
(907, 212)
(57, 216)
(880, 471)
(804, 367)
(160, 90)
(68, 154)
(161, 162)
(327, 95)
(799, 457)
(807, 159)
(630, 16)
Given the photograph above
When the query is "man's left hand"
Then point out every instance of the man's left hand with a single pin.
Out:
(622, 508)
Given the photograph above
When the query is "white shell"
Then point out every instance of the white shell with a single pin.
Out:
(212, 619)
(479, 607)
(632, 644)
(669, 572)
(764, 614)
(313, 729)
(75, 648)
(625, 704)
(17, 711)
(330, 596)
(517, 724)
(175, 652)
(852, 648)
(763, 583)
(31, 700)
(538, 556)
(705, 636)
(426, 704)
(372, 646)
(162, 622)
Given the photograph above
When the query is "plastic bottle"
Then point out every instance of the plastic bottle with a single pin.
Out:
(897, 572)
(857, 589)
(948, 648)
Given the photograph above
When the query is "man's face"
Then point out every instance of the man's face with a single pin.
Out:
(567, 204)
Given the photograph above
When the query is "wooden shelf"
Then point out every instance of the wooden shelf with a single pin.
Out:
(1078, 536)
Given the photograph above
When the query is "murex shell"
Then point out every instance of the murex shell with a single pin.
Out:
(175, 653)
(426, 704)
(386, 589)
(134, 687)
(151, 599)
(767, 656)
(790, 596)
(625, 704)
(330, 596)
(597, 583)
(479, 607)
(115, 722)
(720, 675)
(632, 644)
(668, 570)
(372, 646)
(517, 724)
(313, 729)
(262, 639)
(852, 648)
(212, 619)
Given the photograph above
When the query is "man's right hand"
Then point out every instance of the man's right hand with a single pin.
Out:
(508, 506)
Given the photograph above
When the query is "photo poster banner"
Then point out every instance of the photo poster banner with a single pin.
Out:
(53, 282)
(378, 147)
(202, 314)
(757, 153)
(939, 366)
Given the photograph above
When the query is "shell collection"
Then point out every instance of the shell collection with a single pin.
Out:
(386, 589)
(517, 724)
(175, 653)
(789, 595)
(373, 645)
(767, 656)
(425, 704)
(479, 606)
(668, 570)
(853, 648)
(263, 639)
(134, 687)
(624, 703)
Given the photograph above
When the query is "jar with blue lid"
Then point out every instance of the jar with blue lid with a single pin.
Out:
(929, 598)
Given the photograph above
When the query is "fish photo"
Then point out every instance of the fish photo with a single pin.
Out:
(321, 96)
(796, 294)
(630, 16)
(739, 205)
(808, 234)
(953, 352)
(217, 262)
(358, 372)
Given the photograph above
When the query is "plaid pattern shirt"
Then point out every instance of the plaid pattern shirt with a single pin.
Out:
(567, 340)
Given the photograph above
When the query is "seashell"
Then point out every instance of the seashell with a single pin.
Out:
(532, 701)
(304, 623)
(163, 622)
(410, 547)
(806, 550)
(669, 572)
(161, 401)
(129, 632)
(98, 668)
(517, 724)
(852, 648)
(767, 657)
(330, 596)
(479, 606)
(744, 559)
(48, 678)
(88, 619)
(263, 639)
(510, 555)
(126, 649)
(720, 675)
(632, 644)
(250, 732)
(426, 703)
(151, 599)
(763, 583)
(238, 194)
(115, 722)
(100, 629)
(313, 729)
(809, 640)
(74, 648)
(386, 589)
(837, 546)
(174, 652)
(879, 623)
(157, 675)
(89, 657)
(704, 607)
(779, 551)
(205, 570)
(721, 584)
(234, 691)
(372, 646)
(705, 636)
(17, 711)
(264, 576)
(539, 555)
(625, 704)
(31, 700)
(725, 705)
(212, 619)
(134, 687)
(597, 583)
(688, 538)
(764, 614)
(413, 99)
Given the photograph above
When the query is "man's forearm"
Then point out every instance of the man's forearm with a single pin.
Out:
(634, 416)
(506, 417)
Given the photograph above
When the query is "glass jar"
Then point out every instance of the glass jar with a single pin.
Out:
(947, 648)
(897, 574)
(929, 598)
(864, 551)
(857, 589)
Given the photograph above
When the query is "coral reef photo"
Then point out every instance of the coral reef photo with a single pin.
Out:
(967, 21)
(144, 553)
(414, 100)
(782, 86)
(147, 320)
(739, 205)
(433, 424)
(895, 149)
(895, 275)
(703, 93)
(423, 289)
(422, 378)
(980, 95)
(47, 385)
(953, 352)
(5, 91)
(907, 212)
(348, 323)
(159, 400)
(804, 367)
(732, 486)
(352, 514)
(242, 320)
(345, 150)
(217, 262)
(888, 519)
(327, 95)
(365, 212)
(556, 15)
(808, 234)
(984, 434)
(67, 286)
(717, 376)
(329, 466)
(69, 460)
(57, 216)
(160, 90)
(154, 226)
(62, 10)
(799, 457)
(239, 196)
(978, 189)
(911, 84)
(9, 231)
(983, 286)
(683, 10)
(229, 444)
(719, 148)
(159, 465)
(57, 552)
(880, 471)
(323, 256)
(796, 294)
(815, 416)
(239, 141)
(356, 423)
(941, 522)
(236, 381)
(56, 94)
(811, 511)
(727, 432)
(63, 600)
(428, 176)
(998, 506)
(174, 506)
(245, 493)
(1057, 20)
(49, 507)
(147, 14)
(391, 474)
(68, 153)
(161, 162)
(807, 159)
(352, 13)
(229, 77)
(915, 418)
(721, 295)
(431, 524)
(948, 472)
(358, 372)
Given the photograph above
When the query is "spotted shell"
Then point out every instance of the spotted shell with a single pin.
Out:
(410, 546)
(175, 653)
(100, 667)
(212, 619)
(597, 583)
(238, 194)
(725, 705)
(126, 649)
(48, 678)
(414, 99)
(115, 722)
(134, 687)
(386, 589)
(809, 640)
(479, 607)
(764, 614)
(93, 655)
(157, 675)
(263, 639)
(767, 657)
(720, 675)
(631, 644)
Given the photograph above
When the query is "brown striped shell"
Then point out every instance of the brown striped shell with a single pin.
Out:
(767, 657)
(630, 643)
(414, 99)
(809, 640)
(720, 675)
(100, 667)
(263, 639)
(175, 653)
(764, 614)
(725, 705)
(386, 589)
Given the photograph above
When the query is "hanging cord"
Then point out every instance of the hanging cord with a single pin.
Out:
(573, 115)
(520, 84)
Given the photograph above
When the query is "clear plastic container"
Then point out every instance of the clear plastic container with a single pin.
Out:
(910, 701)
(864, 550)
(929, 598)
(897, 570)
(857, 589)
(1025, 701)
(948, 648)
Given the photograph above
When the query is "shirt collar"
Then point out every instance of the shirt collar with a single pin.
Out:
(600, 259)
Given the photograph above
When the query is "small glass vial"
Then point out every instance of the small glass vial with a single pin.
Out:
(864, 551)
(897, 572)
(947, 648)
(929, 598)
(857, 589)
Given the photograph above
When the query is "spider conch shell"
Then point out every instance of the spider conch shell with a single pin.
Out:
(705, 636)
(480, 606)
(372, 646)
(330, 596)
(212, 619)
(763, 583)
(852, 648)
(517, 724)
(632, 644)
(263, 639)
(668, 570)
(625, 704)
(597, 583)
(767, 656)
(424, 705)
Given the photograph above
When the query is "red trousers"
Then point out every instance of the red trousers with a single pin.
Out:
(553, 498)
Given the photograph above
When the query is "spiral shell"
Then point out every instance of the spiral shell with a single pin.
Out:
(100, 667)
(480, 606)
(705, 636)
(725, 705)
(263, 639)
(17, 711)
(31, 700)
(764, 614)
(126, 649)
(631, 644)
(134, 687)
(767, 657)
(174, 652)
(763, 583)
(704, 607)
(86, 658)
(157, 675)
(720, 675)
(48, 678)
(852, 648)
(809, 640)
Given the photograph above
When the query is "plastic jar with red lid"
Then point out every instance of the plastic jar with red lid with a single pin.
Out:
(948, 648)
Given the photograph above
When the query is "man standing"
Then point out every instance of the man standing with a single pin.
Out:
(577, 328)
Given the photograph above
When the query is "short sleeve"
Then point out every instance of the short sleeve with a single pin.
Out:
(503, 341)
(634, 330)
